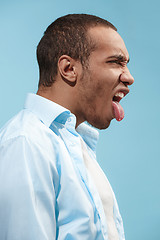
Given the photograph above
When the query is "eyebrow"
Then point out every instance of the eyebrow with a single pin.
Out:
(120, 58)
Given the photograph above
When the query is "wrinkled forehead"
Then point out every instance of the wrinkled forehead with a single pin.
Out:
(108, 40)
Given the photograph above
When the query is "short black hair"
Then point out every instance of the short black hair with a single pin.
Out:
(66, 35)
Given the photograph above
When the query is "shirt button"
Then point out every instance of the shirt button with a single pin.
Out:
(69, 119)
(72, 144)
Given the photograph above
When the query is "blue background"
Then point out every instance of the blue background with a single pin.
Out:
(127, 151)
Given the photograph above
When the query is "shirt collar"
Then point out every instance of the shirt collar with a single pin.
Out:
(89, 134)
(47, 111)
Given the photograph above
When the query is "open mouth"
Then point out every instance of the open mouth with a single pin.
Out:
(117, 108)
(118, 96)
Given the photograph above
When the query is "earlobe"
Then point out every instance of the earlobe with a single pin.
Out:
(67, 69)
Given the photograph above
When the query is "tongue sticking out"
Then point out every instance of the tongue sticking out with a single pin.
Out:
(118, 111)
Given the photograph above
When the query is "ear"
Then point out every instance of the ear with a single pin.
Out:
(68, 69)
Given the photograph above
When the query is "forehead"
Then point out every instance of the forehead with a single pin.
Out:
(108, 41)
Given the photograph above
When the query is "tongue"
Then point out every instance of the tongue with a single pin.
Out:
(118, 111)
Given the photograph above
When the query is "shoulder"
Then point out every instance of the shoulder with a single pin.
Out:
(25, 134)
(27, 125)
(26, 143)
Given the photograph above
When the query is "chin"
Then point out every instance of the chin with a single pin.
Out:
(106, 125)
(101, 125)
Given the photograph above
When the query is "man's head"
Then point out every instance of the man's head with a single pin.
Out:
(105, 82)
(66, 36)
(89, 66)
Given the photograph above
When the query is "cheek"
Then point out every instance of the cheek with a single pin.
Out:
(104, 87)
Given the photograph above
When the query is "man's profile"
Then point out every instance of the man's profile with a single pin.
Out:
(51, 186)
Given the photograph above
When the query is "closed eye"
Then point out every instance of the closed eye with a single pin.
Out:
(118, 59)
(121, 63)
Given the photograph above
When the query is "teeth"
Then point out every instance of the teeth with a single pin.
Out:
(119, 94)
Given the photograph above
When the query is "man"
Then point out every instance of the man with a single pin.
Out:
(51, 186)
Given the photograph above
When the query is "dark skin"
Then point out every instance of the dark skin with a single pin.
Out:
(89, 93)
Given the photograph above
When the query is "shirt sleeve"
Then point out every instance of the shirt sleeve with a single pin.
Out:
(28, 177)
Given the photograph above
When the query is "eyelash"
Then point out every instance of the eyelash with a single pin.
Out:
(117, 62)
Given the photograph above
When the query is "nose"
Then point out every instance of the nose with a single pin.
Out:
(126, 77)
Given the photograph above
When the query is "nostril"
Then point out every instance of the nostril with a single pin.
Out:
(126, 84)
